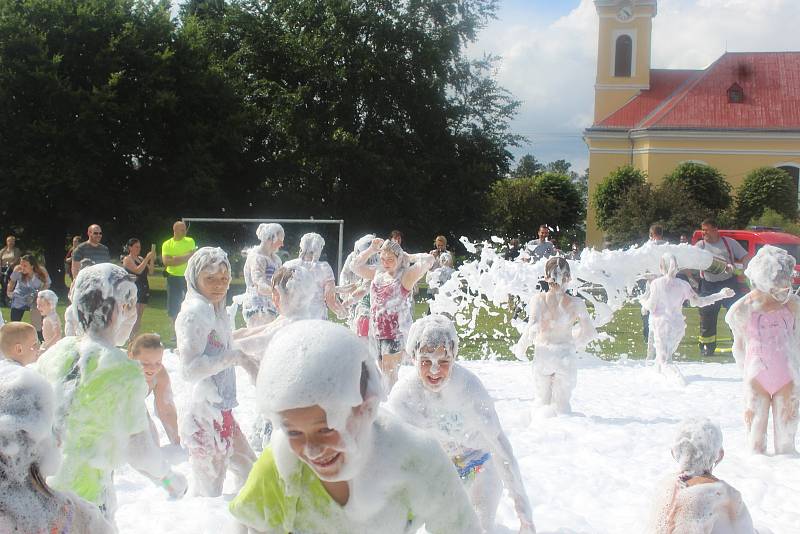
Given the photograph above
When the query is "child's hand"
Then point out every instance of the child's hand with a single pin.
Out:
(175, 484)
(376, 244)
(728, 292)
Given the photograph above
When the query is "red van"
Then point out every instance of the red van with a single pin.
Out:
(754, 238)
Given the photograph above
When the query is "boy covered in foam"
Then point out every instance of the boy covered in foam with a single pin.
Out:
(149, 352)
(664, 300)
(338, 463)
(101, 419)
(450, 403)
(19, 343)
(28, 454)
(208, 362)
(261, 264)
(324, 295)
(766, 345)
(693, 500)
(559, 326)
(46, 302)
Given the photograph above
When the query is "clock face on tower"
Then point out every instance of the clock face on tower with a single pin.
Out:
(625, 13)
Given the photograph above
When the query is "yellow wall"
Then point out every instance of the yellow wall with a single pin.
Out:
(734, 157)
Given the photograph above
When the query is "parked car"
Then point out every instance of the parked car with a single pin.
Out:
(756, 237)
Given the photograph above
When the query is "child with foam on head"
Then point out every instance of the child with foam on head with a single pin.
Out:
(148, 350)
(19, 343)
(356, 300)
(292, 288)
(101, 420)
(338, 462)
(449, 402)
(664, 300)
(324, 296)
(259, 267)
(559, 326)
(766, 345)
(46, 302)
(693, 500)
(390, 306)
(208, 360)
(28, 453)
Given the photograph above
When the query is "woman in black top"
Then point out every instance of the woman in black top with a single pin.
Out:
(140, 268)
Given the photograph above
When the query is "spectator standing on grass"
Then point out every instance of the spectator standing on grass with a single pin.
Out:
(439, 248)
(25, 282)
(730, 252)
(9, 258)
(140, 268)
(76, 240)
(92, 250)
(175, 253)
(541, 247)
(397, 237)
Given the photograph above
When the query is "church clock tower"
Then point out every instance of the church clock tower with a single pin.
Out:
(623, 52)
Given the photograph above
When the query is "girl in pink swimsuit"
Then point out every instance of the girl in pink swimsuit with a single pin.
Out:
(765, 327)
(390, 305)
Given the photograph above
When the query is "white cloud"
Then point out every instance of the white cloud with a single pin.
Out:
(551, 66)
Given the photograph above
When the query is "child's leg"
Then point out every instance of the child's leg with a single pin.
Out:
(784, 419)
(243, 457)
(542, 387)
(484, 494)
(564, 382)
(209, 473)
(389, 365)
(756, 416)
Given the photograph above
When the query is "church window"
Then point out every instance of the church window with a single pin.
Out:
(623, 56)
(735, 94)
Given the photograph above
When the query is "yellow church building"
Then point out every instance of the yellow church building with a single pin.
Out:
(740, 113)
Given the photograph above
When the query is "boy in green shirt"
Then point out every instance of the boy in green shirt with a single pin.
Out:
(338, 462)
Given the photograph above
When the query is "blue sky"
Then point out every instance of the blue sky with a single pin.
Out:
(549, 49)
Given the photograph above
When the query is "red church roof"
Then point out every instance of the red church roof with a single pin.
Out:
(696, 99)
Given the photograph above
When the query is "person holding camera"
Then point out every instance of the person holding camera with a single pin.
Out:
(9, 258)
(24, 284)
(140, 268)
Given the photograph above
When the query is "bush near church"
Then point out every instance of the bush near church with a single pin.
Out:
(766, 187)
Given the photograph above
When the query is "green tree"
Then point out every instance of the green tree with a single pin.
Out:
(528, 165)
(560, 166)
(517, 206)
(703, 184)
(766, 187)
(609, 193)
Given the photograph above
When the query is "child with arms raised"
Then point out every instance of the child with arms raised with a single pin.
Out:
(337, 462)
(450, 403)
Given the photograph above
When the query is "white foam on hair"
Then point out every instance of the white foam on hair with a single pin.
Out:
(432, 331)
(311, 245)
(771, 268)
(209, 259)
(48, 296)
(297, 294)
(269, 232)
(669, 265)
(697, 446)
(112, 282)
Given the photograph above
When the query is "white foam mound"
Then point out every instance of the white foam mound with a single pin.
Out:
(26, 403)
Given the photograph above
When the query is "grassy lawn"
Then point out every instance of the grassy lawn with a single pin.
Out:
(493, 332)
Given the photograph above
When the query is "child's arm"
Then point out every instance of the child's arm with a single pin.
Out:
(503, 453)
(263, 283)
(360, 266)
(736, 318)
(51, 331)
(698, 301)
(529, 335)
(585, 331)
(196, 365)
(422, 264)
(165, 406)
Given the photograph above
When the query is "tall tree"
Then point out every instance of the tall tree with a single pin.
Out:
(703, 184)
(528, 165)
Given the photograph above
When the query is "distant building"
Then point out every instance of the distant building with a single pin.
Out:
(740, 113)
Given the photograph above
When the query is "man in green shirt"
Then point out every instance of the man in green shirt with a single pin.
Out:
(175, 253)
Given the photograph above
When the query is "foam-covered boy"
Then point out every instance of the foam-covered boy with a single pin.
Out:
(338, 463)
(148, 350)
(324, 296)
(19, 343)
(28, 454)
(101, 419)
(693, 500)
(450, 403)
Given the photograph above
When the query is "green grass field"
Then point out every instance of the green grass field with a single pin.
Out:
(493, 333)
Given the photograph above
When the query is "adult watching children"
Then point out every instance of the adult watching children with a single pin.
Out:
(92, 250)
(9, 258)
(175, 253)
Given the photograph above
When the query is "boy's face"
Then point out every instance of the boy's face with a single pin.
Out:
(151, 361)
(27, 350)
(214, 285)
(44, 306)
(434, 367)
(320, 447)
(388, 261)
